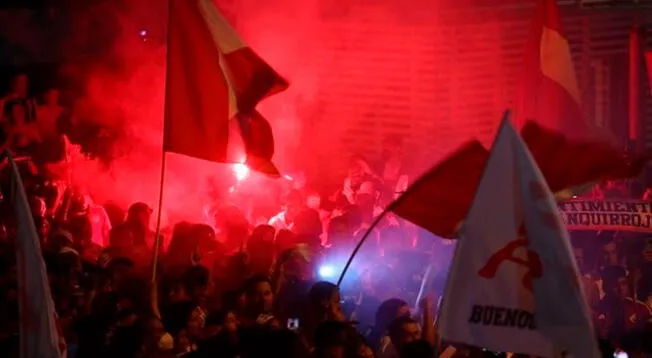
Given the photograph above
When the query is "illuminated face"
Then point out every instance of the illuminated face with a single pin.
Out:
(623, 287)
(410, 332)
(336, 305)
(261, 299)
(610, 254)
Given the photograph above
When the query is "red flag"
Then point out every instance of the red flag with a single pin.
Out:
(568, 163)
(40, 335)
(568, 150)
(439, 201)
(548, 92)
(214, 77)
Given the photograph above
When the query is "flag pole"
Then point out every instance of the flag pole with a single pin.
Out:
(382, 215)
(359, 245)
(157, 237)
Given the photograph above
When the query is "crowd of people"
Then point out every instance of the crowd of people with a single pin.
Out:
(235, 287)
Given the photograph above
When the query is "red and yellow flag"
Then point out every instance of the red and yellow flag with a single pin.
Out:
(549, 94)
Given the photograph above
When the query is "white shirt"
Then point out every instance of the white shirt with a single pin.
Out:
(386, 348)
(278, 222)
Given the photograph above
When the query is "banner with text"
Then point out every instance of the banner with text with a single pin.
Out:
(626, 215)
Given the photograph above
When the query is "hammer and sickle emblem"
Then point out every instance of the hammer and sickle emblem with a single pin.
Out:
(533, 263)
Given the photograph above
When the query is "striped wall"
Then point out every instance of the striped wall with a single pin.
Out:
(441, 77)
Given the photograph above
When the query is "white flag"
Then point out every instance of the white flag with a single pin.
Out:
(39, 335)
(513, 285)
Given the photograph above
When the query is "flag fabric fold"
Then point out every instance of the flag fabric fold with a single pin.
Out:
(39, 333)
(568, 163)
(548, 91)
(439, 201)
(213, 77)
(512, 286)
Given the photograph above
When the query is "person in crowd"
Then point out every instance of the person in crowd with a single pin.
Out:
(359, 173)
(293, 205)
(388, 311)
(50, 114)
(138, 224)
(260, 248)
(610, 251)
(402, 331)
(259, 302)
(618, 311)
(392, 171)
(613, 190)
(19, 94)
(417, 349)
(235, 288)
(22, 135)
(331, 338)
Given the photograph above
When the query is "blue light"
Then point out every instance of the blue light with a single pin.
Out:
(326, 271)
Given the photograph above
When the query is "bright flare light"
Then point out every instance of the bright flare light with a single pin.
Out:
(241, 171)
(327, 271)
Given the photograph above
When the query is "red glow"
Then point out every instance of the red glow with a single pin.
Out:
(241, 171)
(356, 75)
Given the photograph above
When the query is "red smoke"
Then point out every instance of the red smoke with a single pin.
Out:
(128, 98)
(319, 47)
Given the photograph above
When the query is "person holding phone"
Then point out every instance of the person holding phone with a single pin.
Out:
(259, 302)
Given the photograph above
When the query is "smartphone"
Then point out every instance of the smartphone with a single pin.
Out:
(293, 324)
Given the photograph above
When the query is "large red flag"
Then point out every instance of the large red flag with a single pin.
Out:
(213, 77)
(439, 201)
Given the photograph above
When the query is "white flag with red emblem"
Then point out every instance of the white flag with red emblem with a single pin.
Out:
(513, 284)
(39, 333)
